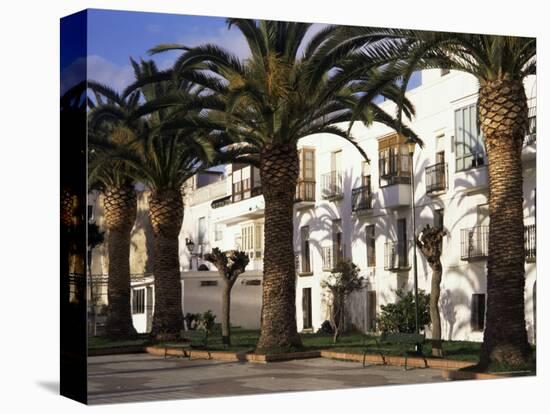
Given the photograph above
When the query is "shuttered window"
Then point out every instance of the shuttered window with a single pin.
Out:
(371, 245)
(469, 147)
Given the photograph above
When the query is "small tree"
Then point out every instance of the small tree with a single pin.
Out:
(429, 242)
(342, 282)
(399, 316)
(230, 265)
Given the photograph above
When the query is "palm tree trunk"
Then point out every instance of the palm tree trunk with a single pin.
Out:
(166, 212)
(279, 173)
(226, 312)
(503, 115)
(435, 319)
(120, 215)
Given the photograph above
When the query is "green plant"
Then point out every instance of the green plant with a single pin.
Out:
(343, 281)
(191, 320)
(326, 328)
(399, 316)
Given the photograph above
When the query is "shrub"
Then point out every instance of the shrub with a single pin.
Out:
(326, 328)
(191, 320)
(399, 316)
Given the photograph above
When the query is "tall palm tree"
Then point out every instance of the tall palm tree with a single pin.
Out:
(112, 126)
(500, 64)
(171, 150)
(268, 108)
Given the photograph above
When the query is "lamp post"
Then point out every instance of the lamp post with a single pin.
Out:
(411, 147)
(190, 247)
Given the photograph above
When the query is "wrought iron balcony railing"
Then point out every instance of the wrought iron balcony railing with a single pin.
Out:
(396, 255)
(332, 188)
(474, 243)
(394, 169)
(436, 177)
(361, 199)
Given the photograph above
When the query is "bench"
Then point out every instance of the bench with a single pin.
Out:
(404, 340)
(185, 347)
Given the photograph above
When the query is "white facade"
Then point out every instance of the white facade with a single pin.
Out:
(226, 211)
(444, 106)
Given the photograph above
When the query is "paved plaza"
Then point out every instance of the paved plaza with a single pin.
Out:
(143, 377)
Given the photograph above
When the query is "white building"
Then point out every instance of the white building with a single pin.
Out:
(363, 211)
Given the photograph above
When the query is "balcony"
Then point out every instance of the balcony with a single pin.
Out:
(530, 243)
(436, 178)
(332, 188)
(361, 200)
(474, 243)
(305, 194)
(396, 255)
(208, 192)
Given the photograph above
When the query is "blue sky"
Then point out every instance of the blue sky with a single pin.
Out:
(114, 36)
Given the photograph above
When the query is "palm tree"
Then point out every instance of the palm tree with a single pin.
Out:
(170, 151)
(268, 108)
(500, 64)
(111, 126)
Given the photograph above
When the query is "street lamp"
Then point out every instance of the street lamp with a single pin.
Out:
(411, 146)
(190, 247)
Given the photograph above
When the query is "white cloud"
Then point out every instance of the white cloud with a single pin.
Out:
(231, 40)
(105, 71)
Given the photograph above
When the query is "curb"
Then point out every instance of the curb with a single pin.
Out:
(447, 364)
(466, 375)
(229, 356)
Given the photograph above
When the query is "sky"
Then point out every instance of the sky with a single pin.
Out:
(115, 36)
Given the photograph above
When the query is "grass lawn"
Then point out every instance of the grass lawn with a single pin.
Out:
(245, 340)
(102, 342)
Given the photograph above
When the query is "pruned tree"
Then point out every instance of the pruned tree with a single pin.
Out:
(343, 281)
(230, 265)
(429, 242)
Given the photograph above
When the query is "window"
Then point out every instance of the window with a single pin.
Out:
(90, 212)
(438, 218)
(306, 308)
(445, 72)
(402, 242)
(205, 283)
(253, 282)
(252, 240)
(478, 311)
(469, 147)
(218, 232)
(306, 263)
(371, 314)
(393, 161)
(246, 182)
(306, 182)
(201, 231)
(371, 246)
(337, 241)
(138, 301)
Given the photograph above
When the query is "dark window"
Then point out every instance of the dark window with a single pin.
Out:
(402, 242)
(209, 283)
(371, 246)
(469, 147)
(337, 241)
(438, 218)
(445, 72)
(90, 212)
(246, 182)
(138, 301)
(371, 314)
(306, 263)
(253, 282)
(306, 307)
(478, 311)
